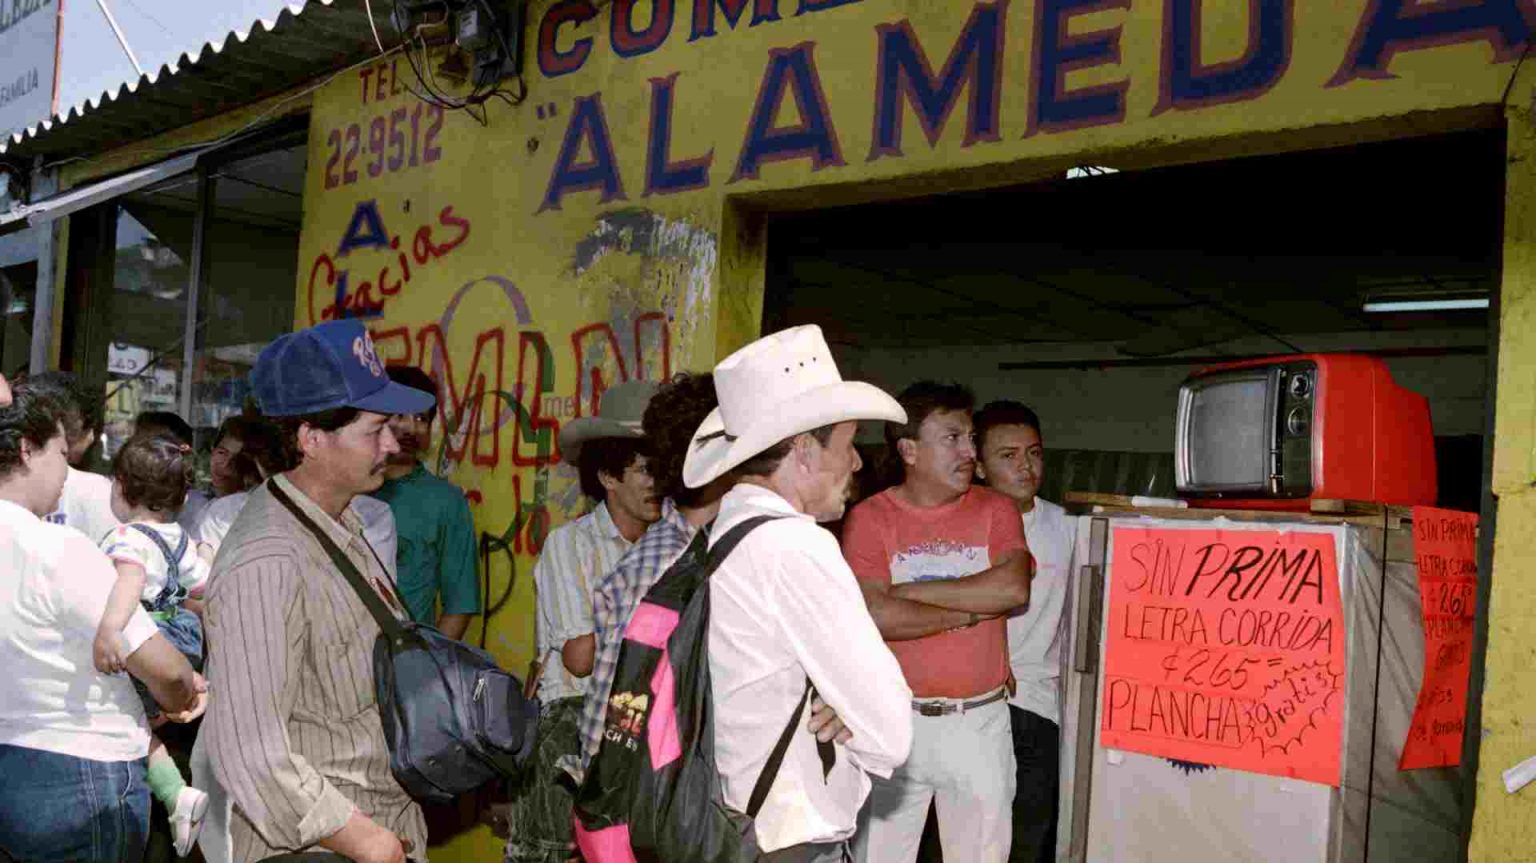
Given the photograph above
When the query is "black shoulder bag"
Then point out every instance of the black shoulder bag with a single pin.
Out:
(454, 720)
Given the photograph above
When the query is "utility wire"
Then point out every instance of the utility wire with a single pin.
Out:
(156, 21)
(121, 39)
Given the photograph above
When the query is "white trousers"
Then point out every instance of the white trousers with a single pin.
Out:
(964, 763)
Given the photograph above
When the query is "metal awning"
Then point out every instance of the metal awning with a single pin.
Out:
(90, 194)
(304, 41)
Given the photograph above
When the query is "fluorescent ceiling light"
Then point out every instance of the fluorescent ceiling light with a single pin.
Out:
(1089, 171)
(1443, 305)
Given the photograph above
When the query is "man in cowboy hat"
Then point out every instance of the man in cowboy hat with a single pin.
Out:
(609, 451)
(785, 610)
(1011, 461)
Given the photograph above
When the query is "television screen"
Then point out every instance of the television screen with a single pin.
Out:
(1229, 429)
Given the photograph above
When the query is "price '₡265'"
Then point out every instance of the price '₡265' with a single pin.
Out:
(404, 138)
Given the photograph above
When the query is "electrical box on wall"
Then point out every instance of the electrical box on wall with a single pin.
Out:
(489, 33)
(492, 32)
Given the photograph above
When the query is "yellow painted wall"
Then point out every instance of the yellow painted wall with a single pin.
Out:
(449, 238)
(1503, 827)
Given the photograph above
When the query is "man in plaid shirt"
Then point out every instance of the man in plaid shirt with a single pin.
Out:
(671, 418)
(670, 421)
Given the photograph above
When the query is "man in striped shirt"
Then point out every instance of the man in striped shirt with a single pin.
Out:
(293, 730)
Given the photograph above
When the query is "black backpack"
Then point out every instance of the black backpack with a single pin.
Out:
(652, 791)
(454, 720)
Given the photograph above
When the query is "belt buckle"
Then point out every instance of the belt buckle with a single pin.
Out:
(932, 708)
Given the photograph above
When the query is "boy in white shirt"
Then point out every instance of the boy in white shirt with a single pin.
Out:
(1012, 461)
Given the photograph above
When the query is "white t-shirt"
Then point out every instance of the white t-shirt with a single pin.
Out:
(215, 520)
(1034, 638)
(783, 607)
(86, 505)
(54, 585)
(192, 510)
(378, 520)
(129, 545)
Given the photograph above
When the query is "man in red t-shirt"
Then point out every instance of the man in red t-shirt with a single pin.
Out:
(934, 547)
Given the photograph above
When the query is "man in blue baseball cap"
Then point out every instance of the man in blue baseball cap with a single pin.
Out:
(295, 738)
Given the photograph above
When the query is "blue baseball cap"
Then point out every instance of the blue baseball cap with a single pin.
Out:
(330, 365)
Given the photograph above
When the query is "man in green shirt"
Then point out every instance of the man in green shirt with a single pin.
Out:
(435, 562)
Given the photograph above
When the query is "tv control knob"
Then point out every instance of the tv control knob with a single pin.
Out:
(1296, 422)
(1301, 386)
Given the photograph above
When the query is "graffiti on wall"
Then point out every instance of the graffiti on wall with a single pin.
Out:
(509, 372)
(333, 291)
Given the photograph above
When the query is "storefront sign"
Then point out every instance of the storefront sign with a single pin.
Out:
(1226, 648)
(29, 46)
(999, 55)
(1445, 547)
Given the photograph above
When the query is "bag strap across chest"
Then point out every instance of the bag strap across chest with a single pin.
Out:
(389, 624)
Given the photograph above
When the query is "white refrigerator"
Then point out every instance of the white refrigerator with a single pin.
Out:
(1128, 807)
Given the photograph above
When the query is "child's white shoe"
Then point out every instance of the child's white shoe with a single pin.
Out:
(187, 819)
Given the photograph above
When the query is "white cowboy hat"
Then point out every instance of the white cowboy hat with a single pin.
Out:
(777, 387)
(619, 412)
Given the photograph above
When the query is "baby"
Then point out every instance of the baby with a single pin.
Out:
(160, 568)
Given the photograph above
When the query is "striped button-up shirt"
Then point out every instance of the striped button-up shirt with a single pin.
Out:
(293, 730)
(617, 596)
(575, 556)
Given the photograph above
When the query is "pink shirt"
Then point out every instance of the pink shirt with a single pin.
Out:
(888, 540)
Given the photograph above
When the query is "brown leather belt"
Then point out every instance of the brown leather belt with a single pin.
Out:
(948, 706)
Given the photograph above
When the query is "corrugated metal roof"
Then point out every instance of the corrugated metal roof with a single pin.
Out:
(304, 41)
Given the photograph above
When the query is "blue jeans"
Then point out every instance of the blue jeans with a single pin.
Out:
(57, 807)
(185, 633)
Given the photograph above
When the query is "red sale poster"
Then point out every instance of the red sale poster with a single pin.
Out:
(1226, 647)
(1445, 547)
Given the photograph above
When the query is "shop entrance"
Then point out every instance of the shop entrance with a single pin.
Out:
(1092, 297)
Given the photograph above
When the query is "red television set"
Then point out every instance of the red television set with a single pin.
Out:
(1280, 432)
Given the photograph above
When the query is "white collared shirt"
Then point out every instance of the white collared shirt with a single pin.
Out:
(1034, 638)
(785, 606)
(54, 585)
(575, 558)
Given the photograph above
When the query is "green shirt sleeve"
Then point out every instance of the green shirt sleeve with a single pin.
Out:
(458, 583)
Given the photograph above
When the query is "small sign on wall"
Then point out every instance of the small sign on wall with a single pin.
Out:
(126, 359)
(1445, 548)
